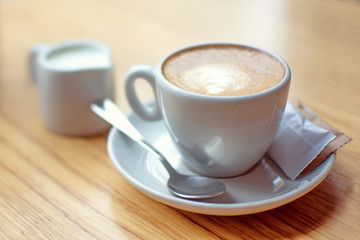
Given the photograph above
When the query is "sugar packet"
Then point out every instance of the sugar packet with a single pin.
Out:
(303, 140)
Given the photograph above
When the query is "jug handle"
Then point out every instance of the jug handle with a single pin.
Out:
(33, 56)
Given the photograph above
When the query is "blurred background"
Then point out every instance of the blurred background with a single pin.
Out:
(157, 27)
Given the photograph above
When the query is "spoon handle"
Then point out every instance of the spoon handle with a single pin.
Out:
(108, 111)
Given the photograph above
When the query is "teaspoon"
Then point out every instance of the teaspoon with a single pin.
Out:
(185, 186)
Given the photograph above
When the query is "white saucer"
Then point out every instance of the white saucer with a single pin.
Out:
(263, 188)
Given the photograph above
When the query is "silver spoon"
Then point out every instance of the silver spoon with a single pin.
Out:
(192, 187)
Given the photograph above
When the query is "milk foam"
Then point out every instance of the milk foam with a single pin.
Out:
(78, 57)
(215, 79)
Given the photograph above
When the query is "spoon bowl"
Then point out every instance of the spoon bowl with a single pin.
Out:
(185, 186)
(195, 187)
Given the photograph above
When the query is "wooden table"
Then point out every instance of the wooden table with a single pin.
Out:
(59, 187)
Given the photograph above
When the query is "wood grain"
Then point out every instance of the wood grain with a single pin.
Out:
(59, 187)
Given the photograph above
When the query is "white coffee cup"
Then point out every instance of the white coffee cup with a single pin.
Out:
(218, 136)
(70, 75)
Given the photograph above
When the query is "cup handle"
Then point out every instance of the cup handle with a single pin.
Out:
(34, 53)
(147, 72)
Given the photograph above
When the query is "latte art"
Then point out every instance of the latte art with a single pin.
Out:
(223, 70)
(215, 79)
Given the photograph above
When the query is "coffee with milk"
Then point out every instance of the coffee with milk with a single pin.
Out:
(221, 103)
(223, 70)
